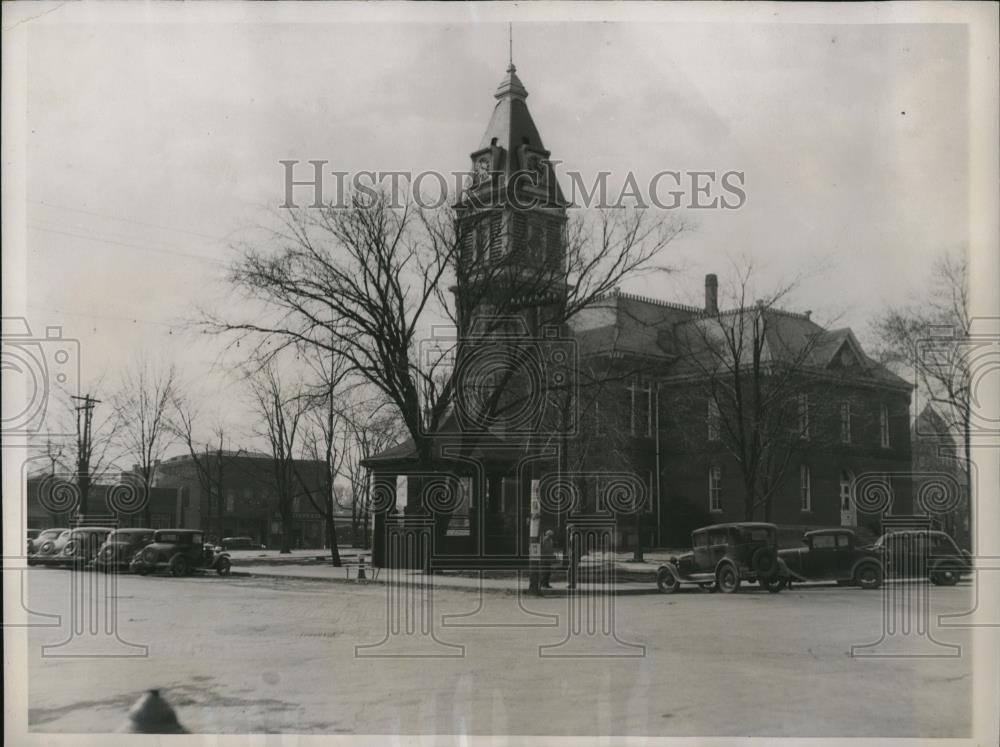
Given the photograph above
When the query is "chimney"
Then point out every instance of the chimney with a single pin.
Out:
(711, 294)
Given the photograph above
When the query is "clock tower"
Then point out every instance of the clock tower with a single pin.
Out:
(511, 223)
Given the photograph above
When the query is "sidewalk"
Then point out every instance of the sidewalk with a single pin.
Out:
(629, 580)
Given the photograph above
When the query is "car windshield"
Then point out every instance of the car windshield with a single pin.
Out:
(942, 543)
(823, 540)
(168, 537)
(127, 536)
(759, 535)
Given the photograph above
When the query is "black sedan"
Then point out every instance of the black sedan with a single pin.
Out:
(834, 555)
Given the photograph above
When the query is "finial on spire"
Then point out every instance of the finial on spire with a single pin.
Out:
(510, 47)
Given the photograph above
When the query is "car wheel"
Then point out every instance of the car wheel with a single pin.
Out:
(764, 562)
(223, 567)
(868, 576)
(944, 576)
(178, 566)
(666, 582)
(773, 585)
(727, 579)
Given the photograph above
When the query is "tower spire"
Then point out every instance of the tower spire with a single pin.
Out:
(510, 44)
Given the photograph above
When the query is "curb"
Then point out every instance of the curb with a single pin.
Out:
(445, 585)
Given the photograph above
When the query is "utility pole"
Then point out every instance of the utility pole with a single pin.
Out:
(84, 447)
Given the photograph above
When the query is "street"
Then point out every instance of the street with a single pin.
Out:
(255, 655)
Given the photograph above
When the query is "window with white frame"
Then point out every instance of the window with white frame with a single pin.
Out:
(883, 423)
(713, 420)
(805, 487)
(845, 422)
(715, 488)
(804, 416)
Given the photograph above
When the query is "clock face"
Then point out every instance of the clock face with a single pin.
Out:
(482, 169)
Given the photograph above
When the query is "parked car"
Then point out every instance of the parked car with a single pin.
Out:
(725, 555)
(120, 547)
(81, 547)
(924, 553)
(833, 555)
(48, 545)
(241, 543)
(179, 551)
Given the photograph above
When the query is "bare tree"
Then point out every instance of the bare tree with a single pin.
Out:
(738, 372)
(210, 457)
(371, 426)
(90, 455)
(281, 408)
(142, 404)
(324, 439)
(367, 281)
(925, 338)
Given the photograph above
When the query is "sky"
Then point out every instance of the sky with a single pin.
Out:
(152, 147)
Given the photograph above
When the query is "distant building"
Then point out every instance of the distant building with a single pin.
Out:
(168, 506)
(937, 452)
(237, 496)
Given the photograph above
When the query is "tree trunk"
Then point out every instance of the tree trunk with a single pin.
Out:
(365, 539)
(331, 528)
(637, 550)
(83, 483)
(285, 509)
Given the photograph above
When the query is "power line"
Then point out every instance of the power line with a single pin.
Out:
(118, 233)
(108, 317)
(127, 244)
(128, 220)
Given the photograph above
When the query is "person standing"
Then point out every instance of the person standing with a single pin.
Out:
(548, 557)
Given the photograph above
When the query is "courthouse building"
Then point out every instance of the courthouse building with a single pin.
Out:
(642, 406)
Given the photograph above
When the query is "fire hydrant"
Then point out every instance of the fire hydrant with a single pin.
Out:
(151, 714)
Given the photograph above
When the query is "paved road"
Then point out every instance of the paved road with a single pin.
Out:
(275, 655)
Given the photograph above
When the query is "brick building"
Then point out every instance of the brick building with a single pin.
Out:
(248, 499)
(938, 465)
(840, 418)
(168, 507)
(835, 414)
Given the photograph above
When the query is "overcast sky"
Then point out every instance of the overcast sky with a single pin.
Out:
(150, 147)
